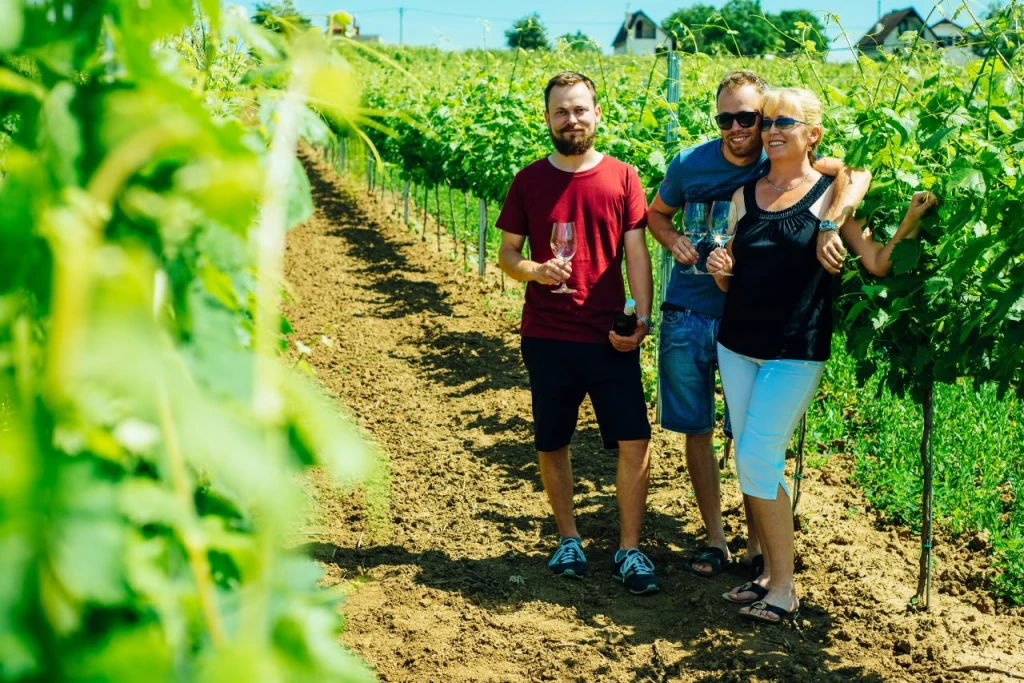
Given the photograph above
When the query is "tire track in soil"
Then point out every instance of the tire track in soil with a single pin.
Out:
(454, 587)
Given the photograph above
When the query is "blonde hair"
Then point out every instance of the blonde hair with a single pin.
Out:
(810, 110)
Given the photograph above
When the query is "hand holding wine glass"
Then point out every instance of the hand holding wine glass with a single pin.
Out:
(719, 262)
(722, 228)
(563, 246)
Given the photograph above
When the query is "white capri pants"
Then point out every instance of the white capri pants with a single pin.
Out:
(766, 399)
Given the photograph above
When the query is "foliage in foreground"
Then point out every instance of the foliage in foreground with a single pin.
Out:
(149, 431)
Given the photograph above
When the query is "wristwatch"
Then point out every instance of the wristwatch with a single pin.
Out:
(646, 321)
(827, 226)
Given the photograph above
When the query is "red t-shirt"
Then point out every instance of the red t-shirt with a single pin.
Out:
(604, 202)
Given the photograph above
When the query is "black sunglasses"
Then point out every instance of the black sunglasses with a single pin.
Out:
(782, 123)
(746, 119)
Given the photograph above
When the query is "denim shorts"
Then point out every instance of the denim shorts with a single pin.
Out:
(687, 360)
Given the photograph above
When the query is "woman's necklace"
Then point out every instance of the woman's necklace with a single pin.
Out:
(791, 187)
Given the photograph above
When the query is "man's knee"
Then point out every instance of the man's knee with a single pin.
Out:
(633, 450)
(699, 442)
(554, 456)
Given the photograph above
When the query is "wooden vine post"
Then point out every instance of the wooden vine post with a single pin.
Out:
(671, 136)
(481, 256)
(451, 214)
(424, 233)
(924, 579)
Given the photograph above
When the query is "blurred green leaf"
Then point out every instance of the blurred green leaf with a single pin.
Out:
(13, 24)
(300, 197)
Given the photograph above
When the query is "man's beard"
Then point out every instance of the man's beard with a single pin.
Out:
(573, 146)
(750, 148)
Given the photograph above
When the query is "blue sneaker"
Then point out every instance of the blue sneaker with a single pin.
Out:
(569, 560)
(635, 571)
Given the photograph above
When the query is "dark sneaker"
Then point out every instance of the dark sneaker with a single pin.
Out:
(635, 571)
(569, 560)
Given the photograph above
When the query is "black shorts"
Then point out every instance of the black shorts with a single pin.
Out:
(563, 372)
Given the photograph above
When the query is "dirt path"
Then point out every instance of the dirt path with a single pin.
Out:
(453, 585)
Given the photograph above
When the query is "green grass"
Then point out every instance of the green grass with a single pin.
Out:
(978, 463)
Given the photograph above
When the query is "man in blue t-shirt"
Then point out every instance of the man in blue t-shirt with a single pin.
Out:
(693, 303)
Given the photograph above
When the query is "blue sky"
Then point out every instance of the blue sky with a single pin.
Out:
(473, 24)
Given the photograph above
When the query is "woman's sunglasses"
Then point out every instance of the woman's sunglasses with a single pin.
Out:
(782, 123)
(746, 119)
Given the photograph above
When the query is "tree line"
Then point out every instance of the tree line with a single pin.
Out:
(739, 27)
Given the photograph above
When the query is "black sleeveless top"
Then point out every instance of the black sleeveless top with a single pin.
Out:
(779, 303)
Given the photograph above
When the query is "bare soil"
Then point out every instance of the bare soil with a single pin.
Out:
(452, 583)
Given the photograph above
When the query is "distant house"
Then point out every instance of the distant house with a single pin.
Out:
(640, 35)
(885, 35)
(345, 25)
(955, 41)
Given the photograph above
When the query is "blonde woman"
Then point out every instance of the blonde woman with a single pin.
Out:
(776, 330)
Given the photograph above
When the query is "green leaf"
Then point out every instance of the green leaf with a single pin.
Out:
(13, 24)
(968, 179)
(16, 84)
(211, 8)
(147, 21)
(144, 501)
(903, 125)
(1004, 125)
(89, 537)
(312, 128)
(217, 354)
(879, 320)
(969, 255)
(320, 434)
(856, 310)
(300, 196)
(131, 652)
(63, 134)
(219, 285)
(911, 179)
(657, 160)
(905, 256)
(938, 138)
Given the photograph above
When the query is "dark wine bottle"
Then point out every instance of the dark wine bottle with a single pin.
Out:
(625, 322)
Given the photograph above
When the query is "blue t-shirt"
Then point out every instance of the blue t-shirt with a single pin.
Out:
(702, 174)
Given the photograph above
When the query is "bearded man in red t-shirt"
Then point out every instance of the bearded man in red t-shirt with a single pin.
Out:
(568, 344)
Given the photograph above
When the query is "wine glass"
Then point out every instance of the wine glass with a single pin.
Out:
(723, 225)
(563, 246)
(695, 227)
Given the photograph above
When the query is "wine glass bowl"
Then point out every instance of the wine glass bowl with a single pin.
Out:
(563, 246)
(695, 227)
(722, 224)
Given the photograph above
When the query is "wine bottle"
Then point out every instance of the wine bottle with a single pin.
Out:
(625, 322)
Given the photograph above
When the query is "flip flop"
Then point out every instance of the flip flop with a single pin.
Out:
(749, 587)
(709, 555)
(754, 568)
(782, 614)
